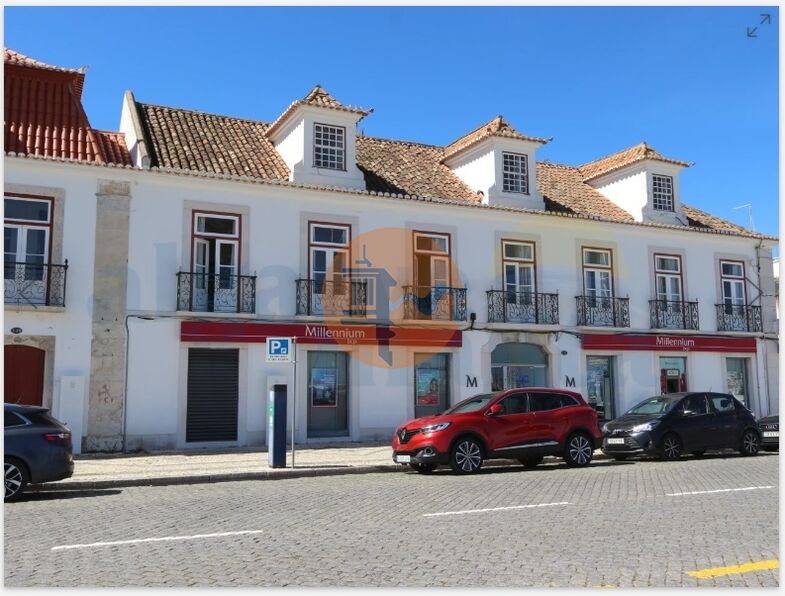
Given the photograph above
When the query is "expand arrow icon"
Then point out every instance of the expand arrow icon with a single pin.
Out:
(751, 32)
(766, 19)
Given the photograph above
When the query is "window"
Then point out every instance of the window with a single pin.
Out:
(26, 237)
(736, 378)
(328, 394)
(696, 404)
(519, 269)
(215, 258)
(514, 404)
(541, 402)
(431, 384)
(12, 419)
(667, 274)
(732, 279)
(515, 172)
(662, 192)
(722, 403)
(329, 268)
(597, 273)
(329, 147)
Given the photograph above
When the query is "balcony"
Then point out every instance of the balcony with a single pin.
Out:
(739, 317)
(434, 303)
(35, 284)
(523, 307)
(216, 292)
(596, 311)
(673, 314)
(331, 298)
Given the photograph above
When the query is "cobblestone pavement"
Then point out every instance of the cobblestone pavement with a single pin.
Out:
(619, 528)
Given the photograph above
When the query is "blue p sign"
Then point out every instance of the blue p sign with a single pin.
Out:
(278, 349)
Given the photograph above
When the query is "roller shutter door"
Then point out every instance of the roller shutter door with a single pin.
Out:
(212, 395)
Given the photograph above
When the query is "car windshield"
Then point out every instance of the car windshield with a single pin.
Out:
(654, 405)
(472, 404)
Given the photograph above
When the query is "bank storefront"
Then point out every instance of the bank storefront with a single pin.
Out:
(624, 369)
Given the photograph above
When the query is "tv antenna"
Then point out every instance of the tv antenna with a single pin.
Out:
(749, 211)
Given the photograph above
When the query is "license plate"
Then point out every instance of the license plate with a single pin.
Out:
(403, 459)
(615, 441)
(771, 434)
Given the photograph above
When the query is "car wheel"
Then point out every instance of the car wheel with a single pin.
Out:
(16, 478)
(750, 445)
(671, 447)
(530, 462)
(578, 451)
(466, 456)
(423, 468)
(698, 453)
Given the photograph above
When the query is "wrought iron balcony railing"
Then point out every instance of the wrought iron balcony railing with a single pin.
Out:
(673, 314)
(35, 284)
(216, 292)
(739, 317)
(331, 298)
(506, 306)
(434, 303)
(596, 311)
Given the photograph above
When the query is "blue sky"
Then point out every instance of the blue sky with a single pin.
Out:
(687, 80)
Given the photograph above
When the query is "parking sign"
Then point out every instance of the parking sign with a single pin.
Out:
(279, 349)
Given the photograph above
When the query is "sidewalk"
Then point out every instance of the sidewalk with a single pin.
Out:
(96, 471)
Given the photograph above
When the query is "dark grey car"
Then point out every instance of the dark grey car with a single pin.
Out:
(37, 448)
(770, 432)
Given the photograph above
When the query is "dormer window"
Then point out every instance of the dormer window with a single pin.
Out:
(662, 192)
(515, 172)
(329, 147)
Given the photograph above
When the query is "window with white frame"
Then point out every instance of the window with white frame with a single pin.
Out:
(662, 192)
(515, 173)
(597, 273)
(27, 229)
(329, 147)
(329, 257)
(733, 287)
(667, 274)
(518, 263)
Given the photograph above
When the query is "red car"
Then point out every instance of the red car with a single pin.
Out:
(524, 424)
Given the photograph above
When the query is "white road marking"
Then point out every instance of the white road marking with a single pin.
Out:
(719, 490)
(162, 539)
(495, 509)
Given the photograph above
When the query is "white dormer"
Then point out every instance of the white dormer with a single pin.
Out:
(316, 137)
(499, 163)
(641, 181)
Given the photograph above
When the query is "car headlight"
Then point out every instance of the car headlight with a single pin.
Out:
(605, 428)
(435, 427)
(646, 427)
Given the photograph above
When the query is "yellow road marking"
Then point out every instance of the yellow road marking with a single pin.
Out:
(746, 568)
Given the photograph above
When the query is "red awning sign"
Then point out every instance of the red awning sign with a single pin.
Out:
(668, 343)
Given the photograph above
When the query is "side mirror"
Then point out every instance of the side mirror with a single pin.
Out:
(495, 410)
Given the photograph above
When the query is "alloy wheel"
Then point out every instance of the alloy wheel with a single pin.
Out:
(671, 447)
(750, 443)
(580, 450)
(468, 456)
(13, 480)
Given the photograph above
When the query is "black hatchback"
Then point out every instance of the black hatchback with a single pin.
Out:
(37, 448)
(673, 424)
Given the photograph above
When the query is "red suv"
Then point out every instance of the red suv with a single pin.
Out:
(524, 424)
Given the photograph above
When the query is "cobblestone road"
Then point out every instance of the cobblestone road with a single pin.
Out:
(619, 527)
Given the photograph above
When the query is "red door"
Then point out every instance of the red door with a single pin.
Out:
(24, 375)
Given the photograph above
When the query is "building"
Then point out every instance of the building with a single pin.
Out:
(411, 276)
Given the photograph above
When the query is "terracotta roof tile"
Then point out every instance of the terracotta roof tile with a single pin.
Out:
(320, 98)
(200, 141)
(44, 114)
(701, 219)
(13, 57)
(498, 127)
(616, 161)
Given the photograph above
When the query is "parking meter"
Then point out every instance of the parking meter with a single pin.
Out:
(276, 427)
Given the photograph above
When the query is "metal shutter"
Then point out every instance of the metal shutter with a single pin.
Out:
(212, 395)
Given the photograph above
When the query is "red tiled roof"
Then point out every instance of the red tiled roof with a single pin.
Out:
(498, 127)
(320, 98)
(620, 159)
(44, 114)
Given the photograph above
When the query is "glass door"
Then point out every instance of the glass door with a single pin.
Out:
(673, 374)
(599, 385)
(431, 384)
(328, 407)
(736, 379)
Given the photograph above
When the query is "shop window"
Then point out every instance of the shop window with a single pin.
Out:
(431, 384)
(673, 374)
(328, 408)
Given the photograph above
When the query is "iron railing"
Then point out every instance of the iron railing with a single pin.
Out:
(437, 303)
(331, 298)
(216, 292)
(35, 284)
(597, 311)
(506, 306)
(739, 317)
(673, 314)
